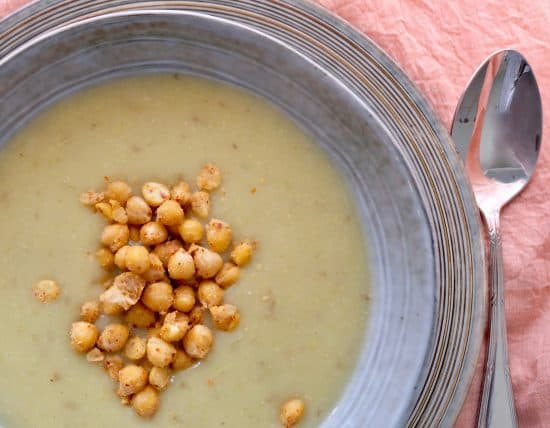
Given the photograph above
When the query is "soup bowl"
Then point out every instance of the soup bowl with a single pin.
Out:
(417, 212)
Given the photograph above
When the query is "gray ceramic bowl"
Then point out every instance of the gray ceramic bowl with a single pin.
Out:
(420, 222)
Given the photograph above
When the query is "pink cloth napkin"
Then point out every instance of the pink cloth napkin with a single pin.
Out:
(439, 43)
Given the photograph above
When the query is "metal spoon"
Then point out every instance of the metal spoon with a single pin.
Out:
(497, 128)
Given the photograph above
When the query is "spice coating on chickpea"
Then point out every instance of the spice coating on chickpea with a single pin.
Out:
(165, 250)
(292, 412)
(181, 265)
(119, 191)
(91, 198)
(184, 298)
(242, 253)
(158, 296)
(228, 275)
(132, 379)
(115, 236)
(198, 341)
(113, 337)
(207, 262)
(140, 316)
(153, 233)
(83, 336)
(119, 215)
(46, 290)
(90, 311)
(126, 290)
(138, 211)
(226, 317)
(174, 327)
(181, 193)
(105, 258)
(137, 259)
(218, 235)
(146, 402)
(159, 352)
(159, 377)
(156, 270)
(113, 364)
(209, 177)
(200, 204)
(135, 348)
(155, 193)
(210, 293)
(170, 213)
(191, 231)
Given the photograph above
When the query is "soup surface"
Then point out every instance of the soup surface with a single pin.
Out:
(303, 299)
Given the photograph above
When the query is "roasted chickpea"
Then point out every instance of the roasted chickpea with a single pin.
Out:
(132, 379)
(120, 216)
(200, 204)
(119, 191)
(210, 293)
(181, 265)
(146, 402)
(91, 198)
(90, 311)
(181, 193)
(113, 338)
(105, 258)
(191, 231)
(138, 211)
(155, 193)
(242, 253)
(46, 290)
(218, 235)
(165, 250)
(182, 361)
(95, 355)
(159, 377)
(292, 412)
(83, 336)
(120, 257)
(209, 177)
(105, 209)
(184, 298)
(226, 317)
(135, 348)
(174, 327)
(153, 233)
(113, 364)
(198, 341)
(159, 352)
(196, 315)
(115, 236)
(228, 275)
(158, 296)
(140, 316)
(207, 262)
(170, 213)
(137, 259)
(156, 270)
(111, 309)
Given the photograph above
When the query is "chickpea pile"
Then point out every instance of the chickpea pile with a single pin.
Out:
(169, 266)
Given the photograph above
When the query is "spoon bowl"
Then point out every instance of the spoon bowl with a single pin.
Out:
(497, 129)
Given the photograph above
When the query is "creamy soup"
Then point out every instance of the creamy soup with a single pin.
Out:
(303, 299)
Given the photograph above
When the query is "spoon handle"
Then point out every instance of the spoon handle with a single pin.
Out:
(497, 409)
